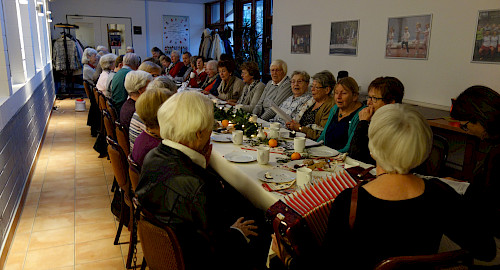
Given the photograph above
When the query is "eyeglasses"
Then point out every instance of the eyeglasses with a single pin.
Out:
(298, 81)
(464, 127)
(374, 99)
(318, 87)
(155, 75)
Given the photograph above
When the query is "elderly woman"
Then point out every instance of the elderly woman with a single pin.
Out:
(89, 61)
(199, 73)
(231, 86)
(178, 190)
(147, 106)
(166, 64)
(276, 91)
(293, 104)
(213, 80)
(398, 213)
(253, 86)
(343, 117)
(135, 83)
(107, 63)
(137, 125)
(157, 53)
(381, 91)
(314, 114)
(150, 68)
(176, 64)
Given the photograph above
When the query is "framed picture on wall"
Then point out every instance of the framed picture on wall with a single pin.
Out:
(409, 37)
(301, 39)
(175, 34)
(344, 38)
(486, 46)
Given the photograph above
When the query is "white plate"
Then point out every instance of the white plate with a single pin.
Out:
(322, 152)
(279, 176)
(221, 138)
(240, 157)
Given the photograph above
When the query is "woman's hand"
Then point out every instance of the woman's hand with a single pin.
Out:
(207, 151)
(205, 92)
(292, 125)
(366, 113)
(245, 226)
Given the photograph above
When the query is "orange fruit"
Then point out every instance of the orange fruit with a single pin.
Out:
(295, 156)
(273, 143)
(225, 123)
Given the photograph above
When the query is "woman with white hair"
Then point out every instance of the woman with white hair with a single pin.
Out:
(398, 213)
(176, 64)
(176, 187)
(213, 79)
(89, 61)
(135, 83)
(107, 63)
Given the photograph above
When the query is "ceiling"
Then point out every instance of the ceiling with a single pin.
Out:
(182, 1)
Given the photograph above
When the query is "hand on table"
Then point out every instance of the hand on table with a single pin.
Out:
(205, 92)
(366, 113)
(245, 226)
(292, 125)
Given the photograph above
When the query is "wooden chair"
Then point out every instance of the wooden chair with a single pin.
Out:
(458, 259)
(134, 170)
(93, 115)
(102, 100)
(120, 169)
(109, 124)
(160, 246)
(435, 164)
(112, 111)
(122, 137)
(86, 87)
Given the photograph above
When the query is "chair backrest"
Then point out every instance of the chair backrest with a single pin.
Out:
(490, 165)
(122, 137)
(134, 170)
(102, 100)
(160, 246)
(436, 162)
(119, 163)
(87, 88)
(109, 125)
(458, 259)
(112, 110)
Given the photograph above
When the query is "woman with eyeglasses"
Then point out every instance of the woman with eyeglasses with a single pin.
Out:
(343, 118)
(314, 114)
(381, 91)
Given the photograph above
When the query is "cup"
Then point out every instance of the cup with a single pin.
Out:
(253, 118)
(304, 175)
(299, 144)
(237, 136)
(284, 133)
(192, 75)
(263, 155)
(274, 133)
(275, 125)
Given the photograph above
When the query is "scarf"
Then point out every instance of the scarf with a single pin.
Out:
(225, 87)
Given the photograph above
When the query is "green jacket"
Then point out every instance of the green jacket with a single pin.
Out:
(118, 92)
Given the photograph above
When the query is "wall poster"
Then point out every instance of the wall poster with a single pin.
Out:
(301, 39)
(344, 38)
(175, 34)
(486, 46)
(408, 37)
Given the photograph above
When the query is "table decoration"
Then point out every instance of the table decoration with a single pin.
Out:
(240, 119)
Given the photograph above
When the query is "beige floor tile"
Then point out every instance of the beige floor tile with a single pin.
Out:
(55, 207)
(15, 261)
(54, 176)
(29, 211)
(49, 258)
(91, 181)
(98, 215)
(52, 238)
(57, 195)
(32, 198)
(83, 192)
(84, 204)
(110, 264)
(95, 231)
(20, 243)
(68, 184)
(96, 251)
(35, 187)
(43, 223)
(25, 225)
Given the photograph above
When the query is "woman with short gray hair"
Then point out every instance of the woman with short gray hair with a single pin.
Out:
(135, 84)
(213, 80)
(89, 61)
(294, 103)
(107, 63)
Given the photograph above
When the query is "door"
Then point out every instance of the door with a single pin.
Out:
(114, 33)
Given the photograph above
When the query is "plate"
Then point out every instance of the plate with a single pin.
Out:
(334, 168)
(221, 138)
(278, 176)
(322, 152)
(240, 157)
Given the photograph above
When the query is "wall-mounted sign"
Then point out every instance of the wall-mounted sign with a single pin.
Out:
(175, 33)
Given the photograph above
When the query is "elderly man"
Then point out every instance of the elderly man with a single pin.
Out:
(276, 91)
(178, 190)
(135, 83)
(130, 49)
(118, 92)
(186, 69)
(381, 91)
(176, 64)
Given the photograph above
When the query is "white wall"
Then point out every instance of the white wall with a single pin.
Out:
(447, 72)
(139, 11)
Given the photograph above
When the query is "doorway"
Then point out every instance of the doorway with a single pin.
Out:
(112, 32)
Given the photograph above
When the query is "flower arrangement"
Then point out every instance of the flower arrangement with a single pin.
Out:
(239, 118)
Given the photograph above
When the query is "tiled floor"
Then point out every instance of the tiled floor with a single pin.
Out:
(66, 222)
